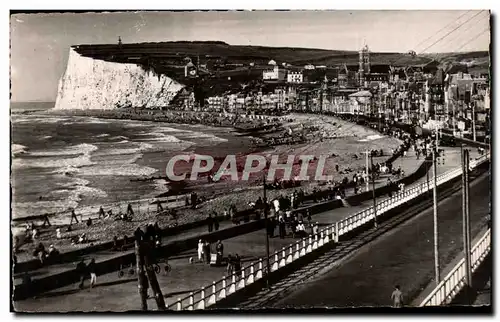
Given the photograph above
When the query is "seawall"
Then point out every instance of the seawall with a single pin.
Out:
(97, 84)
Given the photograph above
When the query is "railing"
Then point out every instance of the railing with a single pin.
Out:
(451, 285)
(249, 274)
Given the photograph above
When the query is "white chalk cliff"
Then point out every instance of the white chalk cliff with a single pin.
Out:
(97, 84)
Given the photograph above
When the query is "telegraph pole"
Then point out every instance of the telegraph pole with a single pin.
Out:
(374, 198)
(268, 265)
(141, 276)
(473, 122)
(466, 222)
(436, 235)
(367, 175)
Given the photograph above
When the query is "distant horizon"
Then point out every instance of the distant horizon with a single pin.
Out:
(284, 47)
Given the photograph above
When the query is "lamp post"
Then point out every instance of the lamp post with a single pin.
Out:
(373, 193)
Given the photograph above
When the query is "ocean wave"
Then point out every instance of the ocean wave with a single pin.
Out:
(47, 162)
(46, 137)
(83, 149)
(120, 137)
(102, 135)
(160, 136)
(371, 138)
(17, 149)
(69, 197)
(201, 135)
(124, 169)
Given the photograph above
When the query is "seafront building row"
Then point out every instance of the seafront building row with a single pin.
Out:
(423, 94)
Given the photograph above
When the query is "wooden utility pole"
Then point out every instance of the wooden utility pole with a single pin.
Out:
(153, 282)
(436, 232)
(374, 198)
(268, 264)
(466, 221)
(141, 277)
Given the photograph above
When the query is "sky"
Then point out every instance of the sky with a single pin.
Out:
(40, 42)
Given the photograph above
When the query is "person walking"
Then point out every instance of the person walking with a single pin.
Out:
(200, 250)
(397, 297)
(206, 252)
(237, 266)
(210, 223)
(230, 265)
(91, 269)
(81, 271)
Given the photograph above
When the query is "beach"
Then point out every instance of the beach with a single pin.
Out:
(96, 167)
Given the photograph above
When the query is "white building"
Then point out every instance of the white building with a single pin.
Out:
(274, 74)
(295, 77)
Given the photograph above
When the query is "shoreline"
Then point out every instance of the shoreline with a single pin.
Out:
(224, 194)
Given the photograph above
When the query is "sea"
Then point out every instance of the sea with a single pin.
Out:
(62, 162)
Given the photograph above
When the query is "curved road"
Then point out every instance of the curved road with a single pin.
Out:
(403, 256)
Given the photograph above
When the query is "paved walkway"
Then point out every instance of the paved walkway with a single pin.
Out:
(120, 294)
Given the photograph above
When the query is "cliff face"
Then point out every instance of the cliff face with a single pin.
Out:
(96, 84)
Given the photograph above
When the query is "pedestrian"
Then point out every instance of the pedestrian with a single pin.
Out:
(397, 297)
(237, 265)
(230, 265)
(219, 248)
(206, 252)
(216, 222)
(309, 219)
(81, 269)
(282, 228)
(315, 228)
(200, 250)
(91, 269)
(210, 223)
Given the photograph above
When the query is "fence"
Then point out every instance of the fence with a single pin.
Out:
(255, 271)
(451, 285)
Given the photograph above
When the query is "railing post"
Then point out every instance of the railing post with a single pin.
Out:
(289, 258)
(282, 262)
(201, 305)
(232, 287)
(243, 280)
(251, 278)
(309, 246)
(336, 237)
(259, 272)
(179, 304)
(321, 241)
(213, 297)
(222, 293)
(276, 262)
(191, 301)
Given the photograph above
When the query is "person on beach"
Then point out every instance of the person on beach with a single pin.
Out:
(200, 250)
(397, 297)
(92, 271)
(130, 211)
(101, 213)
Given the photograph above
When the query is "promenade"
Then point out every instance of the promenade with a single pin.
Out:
(404, 256)
(120, 294)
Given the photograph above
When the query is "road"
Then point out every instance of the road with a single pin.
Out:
(403, 256)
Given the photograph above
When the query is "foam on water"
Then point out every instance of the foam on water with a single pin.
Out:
(70, 196)
(102, 135)
(371, 138)
(82, 149)
(17, 149)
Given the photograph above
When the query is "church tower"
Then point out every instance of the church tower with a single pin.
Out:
(364, 64)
